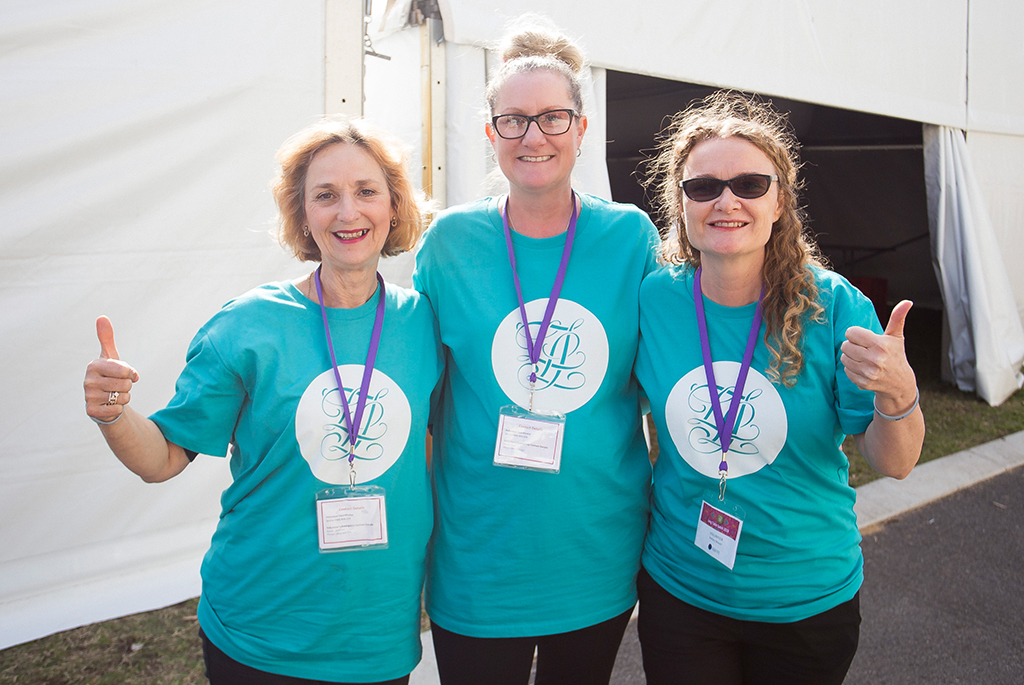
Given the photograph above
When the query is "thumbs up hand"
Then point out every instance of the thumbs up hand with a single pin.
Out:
(879, 362)
(108, 380)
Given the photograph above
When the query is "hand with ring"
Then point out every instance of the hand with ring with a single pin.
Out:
(108, 380)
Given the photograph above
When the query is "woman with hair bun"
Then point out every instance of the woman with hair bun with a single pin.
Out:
(752, 565)
(541, 470)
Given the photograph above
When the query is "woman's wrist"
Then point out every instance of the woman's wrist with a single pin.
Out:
(898, 417)
(107, 423)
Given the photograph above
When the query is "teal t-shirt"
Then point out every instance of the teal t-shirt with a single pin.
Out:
(799, 551)
(521, 553)
(258, 379)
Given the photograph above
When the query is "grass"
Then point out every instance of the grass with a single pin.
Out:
(160, 647)
(955, 421)
(155, 648)
(163, 646)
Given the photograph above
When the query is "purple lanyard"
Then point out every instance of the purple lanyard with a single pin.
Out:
(724, 425)
(532, 347)
(371, 357)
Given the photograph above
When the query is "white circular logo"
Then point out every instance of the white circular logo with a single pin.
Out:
(757, 437)
(322, 432)
(572, 364)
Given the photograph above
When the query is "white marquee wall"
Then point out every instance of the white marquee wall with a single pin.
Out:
(905, 58)
(136, 146)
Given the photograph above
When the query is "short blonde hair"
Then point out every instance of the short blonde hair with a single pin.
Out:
(791, 295)
(408, 206)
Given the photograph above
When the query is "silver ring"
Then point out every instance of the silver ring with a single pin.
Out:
(113, 398)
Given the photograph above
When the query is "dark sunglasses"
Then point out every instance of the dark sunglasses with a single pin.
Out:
(747, 186)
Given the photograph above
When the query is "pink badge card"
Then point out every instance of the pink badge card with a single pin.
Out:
(718, 534)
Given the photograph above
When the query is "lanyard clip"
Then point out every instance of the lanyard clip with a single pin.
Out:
(533, 382)
(723, 473)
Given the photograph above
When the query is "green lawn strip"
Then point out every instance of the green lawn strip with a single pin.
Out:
(152, 648)
(955, 421)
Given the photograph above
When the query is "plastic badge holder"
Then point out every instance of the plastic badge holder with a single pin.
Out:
(529, 440)
(351, 518)
(719, 527)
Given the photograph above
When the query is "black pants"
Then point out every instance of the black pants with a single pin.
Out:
(682, 644)
(580, 657)
(223, 670)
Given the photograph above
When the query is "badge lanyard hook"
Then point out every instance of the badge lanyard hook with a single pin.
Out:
(352, 424)
(533, 383)
(534, 347)
(726, 424)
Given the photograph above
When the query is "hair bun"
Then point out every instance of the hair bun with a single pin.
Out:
(539, 42)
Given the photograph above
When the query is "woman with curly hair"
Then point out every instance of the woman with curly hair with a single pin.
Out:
(318, 390)
(757, 361)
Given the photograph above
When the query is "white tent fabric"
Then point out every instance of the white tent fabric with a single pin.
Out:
(995, 124)
(999, 169)
(995, 86)
(902, 59)
(987, 347)
(136, 145)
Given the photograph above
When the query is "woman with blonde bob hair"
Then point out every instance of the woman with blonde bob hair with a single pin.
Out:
(318, 389)
(409, 208)
(757, 361)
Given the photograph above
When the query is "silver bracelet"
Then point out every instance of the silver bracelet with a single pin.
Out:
(895, 418)
(107, 423)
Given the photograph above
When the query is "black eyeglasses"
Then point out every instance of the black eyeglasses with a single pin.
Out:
(747, 186)
(554, 122)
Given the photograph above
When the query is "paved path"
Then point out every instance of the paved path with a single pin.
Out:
(943, 596)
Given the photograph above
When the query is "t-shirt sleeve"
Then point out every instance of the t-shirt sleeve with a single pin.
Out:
(855, 407)
(653, 244)
(208, 397)
(424, 268)
(436, 395)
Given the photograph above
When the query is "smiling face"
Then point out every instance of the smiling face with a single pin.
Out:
(537, 162)
(729, 227)
(348, 208)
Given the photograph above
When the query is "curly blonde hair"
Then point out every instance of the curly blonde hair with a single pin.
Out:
(791, 295)
(408, 206)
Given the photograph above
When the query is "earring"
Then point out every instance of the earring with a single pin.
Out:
(394, 221)
(305, 231)
(494, 157)
(579, 151)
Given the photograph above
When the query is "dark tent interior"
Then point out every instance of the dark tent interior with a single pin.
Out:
(865, 193)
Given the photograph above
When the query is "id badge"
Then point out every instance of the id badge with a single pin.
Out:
(718, 529)
(529, 440)
(351, 518)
